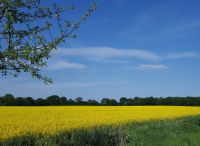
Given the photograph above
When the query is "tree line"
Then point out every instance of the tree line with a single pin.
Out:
(10, 100)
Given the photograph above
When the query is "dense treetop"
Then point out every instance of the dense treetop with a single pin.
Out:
(10, 100)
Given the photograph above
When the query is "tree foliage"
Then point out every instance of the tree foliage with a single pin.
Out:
(24, 26)
(10, 100)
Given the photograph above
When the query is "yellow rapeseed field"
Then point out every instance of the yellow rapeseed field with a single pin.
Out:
(18, 121)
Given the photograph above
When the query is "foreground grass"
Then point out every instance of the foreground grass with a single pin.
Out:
(179, 132)
(176, 132)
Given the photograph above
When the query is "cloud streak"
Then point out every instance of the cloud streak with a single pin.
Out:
(153, 67)
(107, 52)
(61, 65)
(182, 55)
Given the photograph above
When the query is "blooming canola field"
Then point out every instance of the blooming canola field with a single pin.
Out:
(19, 121)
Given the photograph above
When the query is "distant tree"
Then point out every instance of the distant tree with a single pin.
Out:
(8, 99)
(19, 101)
(79, 100)
(105, 101)
(1, 103)
(167, 101)
(71, 102)
(24, 27)
(63, 101)
(113, 102)
(41, 102)
(131, 101)
(159, 100)
(123, 101)
(29, 101)
(53, 100)
(139, 101)
(92, 102)
(149, 101)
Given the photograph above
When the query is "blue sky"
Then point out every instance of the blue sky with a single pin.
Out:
(126, 48)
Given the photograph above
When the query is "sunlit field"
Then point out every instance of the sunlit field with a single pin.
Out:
(18, 121)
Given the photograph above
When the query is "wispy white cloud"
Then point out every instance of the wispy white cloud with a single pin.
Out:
(111, 61)
(61, 64)
(107, 52)
(152, 67)
(112, 55)
(182, 55)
